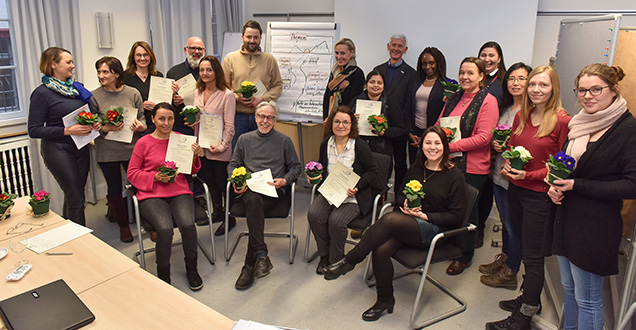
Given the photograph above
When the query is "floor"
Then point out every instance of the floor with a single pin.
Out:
(294, 296)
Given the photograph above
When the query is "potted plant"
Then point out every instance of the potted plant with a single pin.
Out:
(378, 123)
(247, 89)
(39, 202)
(313, 170)
(6, 204)
(502, 135)
(239, 176)
(115, 116)
(414, 194)
(518, 157)
(450, 133)
(451, 86)
(170, 169)
(190, 113)
(560, 166)
(87, 118)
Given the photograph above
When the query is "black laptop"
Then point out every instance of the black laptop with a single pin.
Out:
(52, 306)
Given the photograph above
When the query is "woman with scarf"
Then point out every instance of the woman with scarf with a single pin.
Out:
(585, 228)
(346, 79)
(58, 96)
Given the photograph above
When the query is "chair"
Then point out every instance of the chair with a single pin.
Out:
(419, 261)
(282, 210)
(199, 214)
(379, 188)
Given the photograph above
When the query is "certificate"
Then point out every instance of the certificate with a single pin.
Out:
(258, 183)
(367, 108)
(453, 122)
(210, 130)
(260, 88)
(69, 120)
(180, 151)
(334, 189)
(160, 90)
(126, 134)
(187, 86)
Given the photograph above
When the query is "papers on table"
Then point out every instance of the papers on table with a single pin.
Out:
(367, 108)
(453, 122)
(258, 183)
(180, 151)
(160, 89)
(56, 237)
(251, 325)
(210, 130)
(187, 86)
(126, 134)
(69, 120)
(260, 88)
(334, 189)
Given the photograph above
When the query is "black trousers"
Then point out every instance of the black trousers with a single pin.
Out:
(468, 239)
(484, 204)
(69, 167)
(112, 175)
(256, 206)
(399, 163)
(215, 175)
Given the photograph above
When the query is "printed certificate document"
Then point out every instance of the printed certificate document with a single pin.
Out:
(334, 189)
(180, 151)
(160, 90)
(452, 122)
(367, 108)
(126, 134)
(80, 140)
(258, 183)
(210, 130)
(187, 86)
(260, 88)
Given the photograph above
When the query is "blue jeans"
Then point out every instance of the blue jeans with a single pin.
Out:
(511, 242)
(243, 123)
(582, 301)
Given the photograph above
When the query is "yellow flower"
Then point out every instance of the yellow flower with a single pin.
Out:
(414, 185)
(238, 171)
(247, 84)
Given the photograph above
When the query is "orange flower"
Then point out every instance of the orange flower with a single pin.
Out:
(379, 119)
(447, 131)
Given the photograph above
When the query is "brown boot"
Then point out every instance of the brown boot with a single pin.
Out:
(495, 266)
(505, 278)
(118, 210)
(125, 235)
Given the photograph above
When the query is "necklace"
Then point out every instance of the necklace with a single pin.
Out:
(426, 177)
(430, 79)
(467, 100)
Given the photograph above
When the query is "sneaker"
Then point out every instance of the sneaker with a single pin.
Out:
(505, 278)
(194, 280)
(495, 266)
(262, 267)
(246, 279)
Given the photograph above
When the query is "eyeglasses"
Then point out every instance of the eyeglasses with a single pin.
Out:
(594, 91)
(269, 118)
(345, 123)
(520, 79)
(142, 55)
(197, 49)
(12, 230)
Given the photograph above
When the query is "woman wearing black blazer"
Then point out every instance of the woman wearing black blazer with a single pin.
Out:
(346, 80)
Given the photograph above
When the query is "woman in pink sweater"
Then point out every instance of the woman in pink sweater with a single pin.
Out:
(163, 203)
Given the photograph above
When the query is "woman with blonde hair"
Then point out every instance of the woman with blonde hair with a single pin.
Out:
(140, 66)
(346, 80)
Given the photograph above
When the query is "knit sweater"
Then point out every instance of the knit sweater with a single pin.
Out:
(102, 101)
(148, 155)
(242, 66)
(181, 70)
(221, 103)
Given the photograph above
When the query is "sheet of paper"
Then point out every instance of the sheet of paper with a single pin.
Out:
(453, 122)
(126, 134)
(187, 86)
(69, 120)
(261, 89)
(251, 325)
(367, 108)
(56, 237)
(258, 183)
(160, 89)
(334, 189)
(180, 151)
(210, 130)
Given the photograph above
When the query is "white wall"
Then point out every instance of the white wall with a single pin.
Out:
(251, 7)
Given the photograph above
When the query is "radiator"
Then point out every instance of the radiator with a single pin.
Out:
(16, 176)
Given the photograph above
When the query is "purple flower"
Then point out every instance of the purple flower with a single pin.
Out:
(502, 127)
(452, 81)
(170, 165)
(560, 156)
(311, 166)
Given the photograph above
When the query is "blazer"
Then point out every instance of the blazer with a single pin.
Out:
(399, 93)
(433, 110)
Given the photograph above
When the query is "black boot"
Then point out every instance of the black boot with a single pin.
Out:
(521, 319)
(513, 304)
(334, 271)
(378, 308)
(163, 273)
(324, 262)
(194, 280)
(117, 206)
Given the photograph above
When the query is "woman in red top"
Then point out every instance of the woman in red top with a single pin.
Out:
(541, 126)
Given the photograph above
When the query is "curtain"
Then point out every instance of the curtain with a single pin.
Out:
(39, 24)
(230, 18)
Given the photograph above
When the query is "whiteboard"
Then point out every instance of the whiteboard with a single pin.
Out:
(583, 41)
(304, 52)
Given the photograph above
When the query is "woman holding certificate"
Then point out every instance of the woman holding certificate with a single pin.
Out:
(327, 222)
(122, 109)
(140, 66)
(56, 98)
(215, 128)
(442, 209)
(166, 199)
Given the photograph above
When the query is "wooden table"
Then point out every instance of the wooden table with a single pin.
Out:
(18, 214)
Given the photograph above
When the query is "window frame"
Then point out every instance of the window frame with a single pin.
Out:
(20, 116)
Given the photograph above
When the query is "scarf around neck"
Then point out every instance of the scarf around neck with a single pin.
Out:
(68, 88)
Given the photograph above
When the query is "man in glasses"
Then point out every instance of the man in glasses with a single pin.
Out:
(264, 148)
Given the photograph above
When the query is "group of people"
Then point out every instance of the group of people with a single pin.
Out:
(577, 218)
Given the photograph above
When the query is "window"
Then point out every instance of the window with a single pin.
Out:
(9, 104)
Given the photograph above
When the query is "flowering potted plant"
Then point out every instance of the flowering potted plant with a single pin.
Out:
(450, 87)
(239, 176)
(518, 157)
(190, 113)
(6, 203)
(115, 116)
(87, 118)
(414, 194)
(313, 170)
(560, 166)
(378, 123)
(502, 135)
(247, 89)
(450, 133)
(170, 169)
(40, 203)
